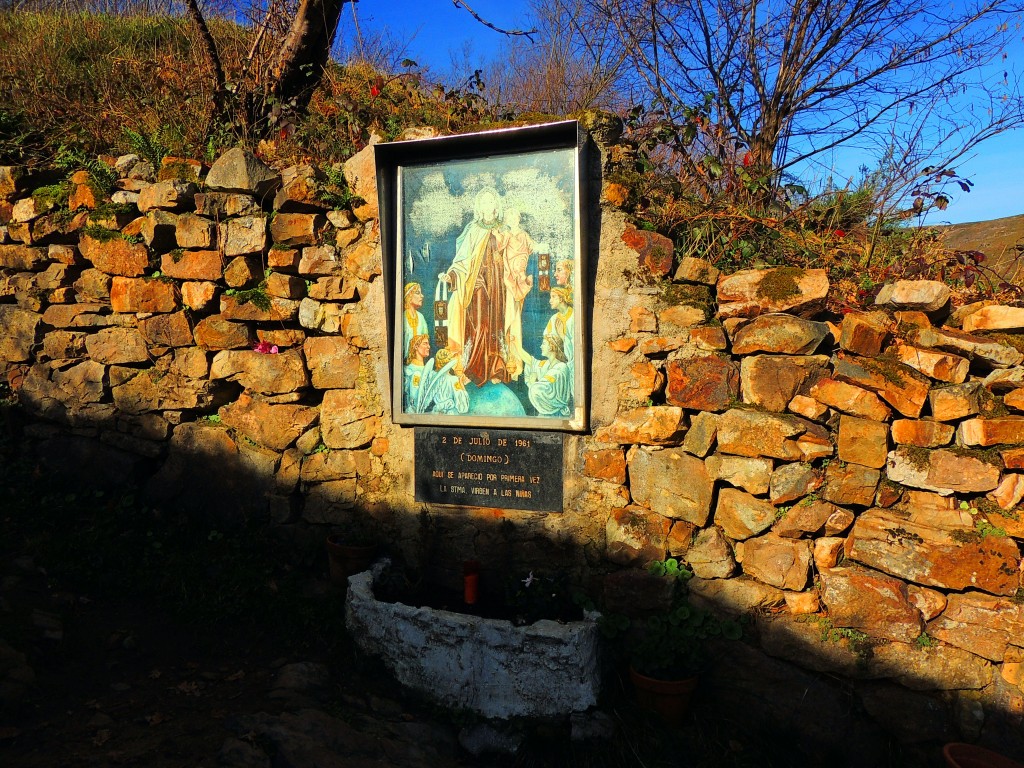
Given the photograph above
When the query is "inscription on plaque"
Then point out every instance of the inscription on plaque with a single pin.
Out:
(489, 468)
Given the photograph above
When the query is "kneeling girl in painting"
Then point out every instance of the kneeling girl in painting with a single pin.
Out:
(444, 390)
(549, 381)
(417, 371)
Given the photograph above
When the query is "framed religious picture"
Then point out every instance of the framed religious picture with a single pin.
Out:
(482, 243)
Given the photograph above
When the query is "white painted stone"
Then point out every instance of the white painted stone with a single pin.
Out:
(486, 665)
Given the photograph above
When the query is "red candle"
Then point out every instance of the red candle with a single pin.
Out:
(470, 581)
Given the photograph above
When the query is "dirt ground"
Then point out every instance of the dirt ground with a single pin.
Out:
(117, 683)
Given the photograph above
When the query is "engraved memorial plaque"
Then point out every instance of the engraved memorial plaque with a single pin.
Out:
(489, 468)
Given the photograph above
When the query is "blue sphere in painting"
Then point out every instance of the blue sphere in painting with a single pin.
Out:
(494, 400)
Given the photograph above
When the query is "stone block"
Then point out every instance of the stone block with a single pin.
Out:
(94, 285)
(191, 231)
(20, 329)
(174, 330)
(270, 425)
(221, 205)
(982, 624)
(285, 286)
(645, 380)
(899, 385)
(605, 464)
(654, 251)
(940, 366)
(671, 483)
(167, 196)
(709, 338)
(321, 260)
(864, 333)
(275, 309)
(333, 362)
(692, 270)
(771, 381)
(1009, 492)
(680, 316)
(286, 259)
(198, 295)
(808, 407)
(346, 419)
(979, 348)
(243, 272)
(243, 236)
(862, 441)
(193, 265)
(1007, 430)
(800, 603)
(700, 437)
(942, 471)
(22, 258)
(849, 399)
(779, 562)
(750, 474)
(636, 536)
(710, 556)
(741, 515)
(947, 557)
(361, 176)
(851, 484)
(117, 346)
(216, 333)
(116, 256)
(363, 260)
(995, 317)
(870, 602)
(239, 170)
(752, 292)
(707, 382)
(260, 373)
(753, 433)
(918, 295)
(929, 602)
(793, 481)
(143, 295)
(654, 425)
(779, 334)
(809, 517)
(297, 228)
(924, 434)
(956, 402)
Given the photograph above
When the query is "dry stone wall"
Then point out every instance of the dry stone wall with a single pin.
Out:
(852, 483)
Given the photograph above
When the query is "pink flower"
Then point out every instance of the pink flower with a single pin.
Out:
(265, 348)
(374, 91)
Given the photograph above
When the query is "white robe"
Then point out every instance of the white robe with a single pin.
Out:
(418, 327)
(550, 386)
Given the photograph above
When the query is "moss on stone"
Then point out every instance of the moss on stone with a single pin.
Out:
(675, 294)
(1014, 340)
(987, 455)
(52, 196)
(918, 457)
(781, 283)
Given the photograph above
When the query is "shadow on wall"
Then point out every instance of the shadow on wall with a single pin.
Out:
(848, 703)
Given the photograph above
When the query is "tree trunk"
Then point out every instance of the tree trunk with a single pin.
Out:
(299, 66)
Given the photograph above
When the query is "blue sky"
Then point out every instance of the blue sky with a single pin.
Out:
(436, 32)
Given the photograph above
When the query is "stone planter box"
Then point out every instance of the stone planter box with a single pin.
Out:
(487, 665)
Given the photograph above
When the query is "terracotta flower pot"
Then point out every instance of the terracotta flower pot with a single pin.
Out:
(347, 559)
(960, 755)
(668, 698)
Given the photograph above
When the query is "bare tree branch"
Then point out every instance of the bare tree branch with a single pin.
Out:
(511, 32)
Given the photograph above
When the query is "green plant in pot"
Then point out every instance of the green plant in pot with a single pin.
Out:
(350, 549)
(668, 649)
